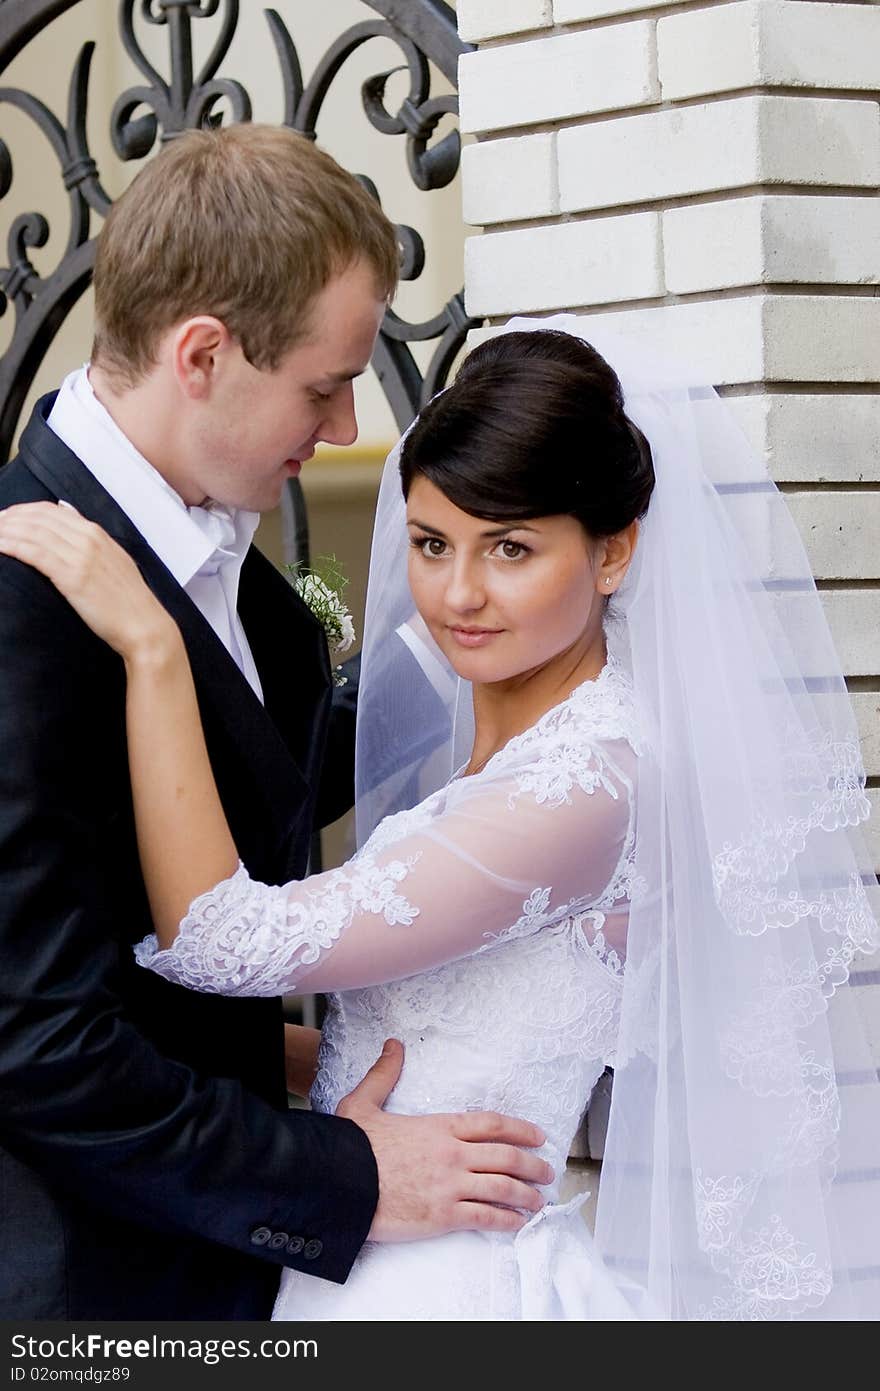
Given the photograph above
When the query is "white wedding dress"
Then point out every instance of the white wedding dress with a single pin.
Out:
(497, 910)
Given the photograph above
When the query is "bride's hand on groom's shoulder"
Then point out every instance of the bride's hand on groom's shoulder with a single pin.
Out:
(447, 1172)
(96, 576)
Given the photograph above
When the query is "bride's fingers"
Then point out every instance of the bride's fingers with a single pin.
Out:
(62, 545)
(55, 519)
(93, 573)
(31, 540)
(60, 517)
(45, 522)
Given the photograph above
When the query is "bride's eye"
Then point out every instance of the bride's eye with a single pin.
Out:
(432, 547)
(513, 550)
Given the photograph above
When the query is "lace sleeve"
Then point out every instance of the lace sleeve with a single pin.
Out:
(492, 857)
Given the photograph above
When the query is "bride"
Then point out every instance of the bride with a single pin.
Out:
(608, 780)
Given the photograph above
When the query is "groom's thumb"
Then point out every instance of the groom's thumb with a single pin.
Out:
(378, 1082)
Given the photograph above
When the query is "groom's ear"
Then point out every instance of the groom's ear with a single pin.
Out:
(199, 351)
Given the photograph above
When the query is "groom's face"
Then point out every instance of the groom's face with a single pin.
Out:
(258, 427)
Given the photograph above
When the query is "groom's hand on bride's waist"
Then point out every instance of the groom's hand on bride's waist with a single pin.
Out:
(445, 1173)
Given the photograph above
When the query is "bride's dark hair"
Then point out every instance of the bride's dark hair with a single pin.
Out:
(534, 426)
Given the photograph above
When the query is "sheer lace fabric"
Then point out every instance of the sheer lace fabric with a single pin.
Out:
(542, 837)
(486, 929)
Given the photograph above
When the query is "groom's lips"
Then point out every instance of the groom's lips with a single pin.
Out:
(294, 466)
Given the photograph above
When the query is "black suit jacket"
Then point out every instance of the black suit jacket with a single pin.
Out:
(145, 1145)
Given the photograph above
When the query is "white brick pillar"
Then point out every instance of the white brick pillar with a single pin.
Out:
(708, 177)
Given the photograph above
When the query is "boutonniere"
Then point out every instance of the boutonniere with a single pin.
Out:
(321, 586)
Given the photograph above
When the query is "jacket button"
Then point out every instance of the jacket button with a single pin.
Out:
(259, 1236)
(295, 1245)
(277, 1240)
(313, 1249)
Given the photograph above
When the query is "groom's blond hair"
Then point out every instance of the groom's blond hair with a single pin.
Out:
(247, 223)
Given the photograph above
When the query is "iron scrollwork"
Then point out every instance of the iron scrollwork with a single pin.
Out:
(158, 109)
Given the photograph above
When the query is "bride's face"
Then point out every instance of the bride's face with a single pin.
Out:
(500, 599)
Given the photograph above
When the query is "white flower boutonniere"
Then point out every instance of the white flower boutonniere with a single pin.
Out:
(321, 587)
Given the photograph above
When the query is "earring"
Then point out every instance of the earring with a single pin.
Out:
(607, 579)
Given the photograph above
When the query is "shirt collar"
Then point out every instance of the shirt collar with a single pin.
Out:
(184, 538)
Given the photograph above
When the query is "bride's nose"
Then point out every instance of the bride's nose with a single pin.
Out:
(465, 592)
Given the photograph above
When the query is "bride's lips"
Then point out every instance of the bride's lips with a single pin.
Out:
(474, 637)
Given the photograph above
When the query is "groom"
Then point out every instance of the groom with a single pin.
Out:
(149, 1167)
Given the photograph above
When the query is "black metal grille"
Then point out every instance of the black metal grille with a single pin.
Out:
(161, 107)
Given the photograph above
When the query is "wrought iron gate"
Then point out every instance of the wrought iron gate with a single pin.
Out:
(161, 107)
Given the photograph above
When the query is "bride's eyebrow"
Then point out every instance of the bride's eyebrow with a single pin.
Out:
(506, 530)
(492, 535)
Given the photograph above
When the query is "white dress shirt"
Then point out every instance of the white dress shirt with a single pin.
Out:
(203, 547)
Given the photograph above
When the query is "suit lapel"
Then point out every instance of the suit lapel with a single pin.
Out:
(264, 759)
(290, 651)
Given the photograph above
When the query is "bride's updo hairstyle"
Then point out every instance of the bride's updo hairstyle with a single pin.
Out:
(534, 426)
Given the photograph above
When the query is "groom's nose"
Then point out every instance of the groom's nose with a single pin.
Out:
(339, 425)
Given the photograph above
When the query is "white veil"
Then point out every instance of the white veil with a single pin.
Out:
(741, 1177)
